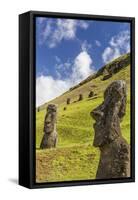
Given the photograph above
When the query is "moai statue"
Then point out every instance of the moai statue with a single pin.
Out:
(50, 134)
(115, 151)
(106, 74)
(68, 100)
(80, 97)
(65, 108)
(91, 94)
(38, 109)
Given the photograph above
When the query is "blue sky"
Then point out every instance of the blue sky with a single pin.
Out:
(67, 51)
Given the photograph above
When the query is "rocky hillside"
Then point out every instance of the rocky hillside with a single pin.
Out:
(88, 85)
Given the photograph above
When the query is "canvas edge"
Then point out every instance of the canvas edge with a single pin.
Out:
(32, 184)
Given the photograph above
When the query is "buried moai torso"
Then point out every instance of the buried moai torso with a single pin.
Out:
(115, 151)
(50, 134)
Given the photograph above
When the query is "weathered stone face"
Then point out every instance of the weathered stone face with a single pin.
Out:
(50, 134)
(50, 118)
(109, 113)
(108, 133)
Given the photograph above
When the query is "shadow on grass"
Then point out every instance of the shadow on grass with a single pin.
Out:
(92, 98)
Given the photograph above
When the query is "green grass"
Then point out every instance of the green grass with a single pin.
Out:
(64, 164)
(75, 158)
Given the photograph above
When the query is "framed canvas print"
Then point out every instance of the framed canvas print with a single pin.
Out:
(76, 99)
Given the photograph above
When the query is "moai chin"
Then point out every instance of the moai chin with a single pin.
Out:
(49, 139)
(115, 151)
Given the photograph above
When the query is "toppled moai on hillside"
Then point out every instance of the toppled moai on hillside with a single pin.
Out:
(80, 97)
(114, 67)
(49, 139)
(106, 74)
(115, 151)
(68, 100)
(91, 94)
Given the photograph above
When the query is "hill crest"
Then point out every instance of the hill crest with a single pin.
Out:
(88, 84)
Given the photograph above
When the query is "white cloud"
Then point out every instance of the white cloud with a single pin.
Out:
(83, 24)
(48, 88)
(97, 42)
(61, 29)
(67, 65)
(85, 46)
(122, 41)
(82, 67)
(57, 59)
(110, 54)
(47, 31)
(62, 68)
(118, 45)
(65, 29)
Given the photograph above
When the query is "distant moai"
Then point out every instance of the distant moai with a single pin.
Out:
(115, 151)
(91, 94)
(80, 97)
(106, 74)
(49, 139)
(38, 109)
(68, 100)
(65, 108)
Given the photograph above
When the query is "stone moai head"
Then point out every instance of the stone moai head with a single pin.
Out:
(109, 114)
(50, 119)
(80, 97)
(68, 100)
(91, 94)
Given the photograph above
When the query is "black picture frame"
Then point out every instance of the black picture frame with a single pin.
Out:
(27, 98)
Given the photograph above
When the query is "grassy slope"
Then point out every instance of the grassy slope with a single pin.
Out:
(75, 158)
